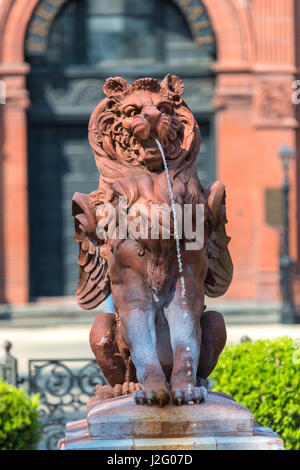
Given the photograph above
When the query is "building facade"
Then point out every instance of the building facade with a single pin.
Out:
(238, 60)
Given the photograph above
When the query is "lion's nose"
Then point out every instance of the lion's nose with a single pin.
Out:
(152, 114)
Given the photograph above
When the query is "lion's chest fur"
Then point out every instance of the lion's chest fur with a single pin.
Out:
(152, 255)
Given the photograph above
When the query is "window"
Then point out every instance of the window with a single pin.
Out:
(124, 32)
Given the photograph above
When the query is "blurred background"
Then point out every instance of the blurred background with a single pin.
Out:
(239, 61)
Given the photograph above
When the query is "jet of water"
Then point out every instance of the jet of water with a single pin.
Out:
(185, 315)
(175, 221)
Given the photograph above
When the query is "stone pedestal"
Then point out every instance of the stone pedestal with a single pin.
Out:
(119, 424)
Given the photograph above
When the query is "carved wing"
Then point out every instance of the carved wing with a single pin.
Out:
(93, 283)
(220, 267)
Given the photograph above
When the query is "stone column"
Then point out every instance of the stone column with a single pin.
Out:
(14, 272)
(236, 168)
(274, 122)
(255, 117)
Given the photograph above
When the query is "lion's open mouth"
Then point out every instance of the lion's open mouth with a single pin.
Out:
(150, 153)
(150, 143)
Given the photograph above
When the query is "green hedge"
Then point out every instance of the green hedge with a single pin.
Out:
(19, 424)
(264, 376)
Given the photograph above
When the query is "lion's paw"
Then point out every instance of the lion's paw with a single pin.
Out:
(152, 397)
(105, 392)
(126, 388)
(189, 396)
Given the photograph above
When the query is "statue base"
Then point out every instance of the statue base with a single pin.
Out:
(220, 423)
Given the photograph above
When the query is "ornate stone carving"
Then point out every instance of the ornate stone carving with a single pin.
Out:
(145, 142)
(275, 99)
(79, 93)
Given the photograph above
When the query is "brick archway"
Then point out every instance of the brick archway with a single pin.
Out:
(232, 30)
(231, 24)
(229, 18)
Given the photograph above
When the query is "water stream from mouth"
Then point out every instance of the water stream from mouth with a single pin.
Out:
(175, 220)
(179, 259)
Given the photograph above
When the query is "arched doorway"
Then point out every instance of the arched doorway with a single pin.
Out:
(71, 56)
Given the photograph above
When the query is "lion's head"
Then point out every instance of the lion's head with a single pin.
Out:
(124, 126)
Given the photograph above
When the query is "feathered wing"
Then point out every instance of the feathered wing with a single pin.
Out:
(220, 267)
(93, 283)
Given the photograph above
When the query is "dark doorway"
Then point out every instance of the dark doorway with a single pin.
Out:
(65, 164)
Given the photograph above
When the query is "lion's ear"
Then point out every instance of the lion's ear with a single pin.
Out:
(115, 86)
(173, 83)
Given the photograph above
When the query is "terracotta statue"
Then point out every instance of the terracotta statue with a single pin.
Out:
(160, 342)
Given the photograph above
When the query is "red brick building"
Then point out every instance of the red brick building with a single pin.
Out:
(238, 60)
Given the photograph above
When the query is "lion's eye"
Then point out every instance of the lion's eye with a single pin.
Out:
(165, 108)
(131, 111)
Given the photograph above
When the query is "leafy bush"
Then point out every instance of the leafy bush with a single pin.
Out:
(264, 376)
(19, 425)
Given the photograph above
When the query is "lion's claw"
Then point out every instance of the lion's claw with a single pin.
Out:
(129, 387)
(152, 397)
(189, 395)
(107, 391)
(117, 390)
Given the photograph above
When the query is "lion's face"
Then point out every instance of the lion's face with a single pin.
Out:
(148, 116)
(125, 126)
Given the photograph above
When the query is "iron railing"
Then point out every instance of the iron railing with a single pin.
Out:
(64, 386)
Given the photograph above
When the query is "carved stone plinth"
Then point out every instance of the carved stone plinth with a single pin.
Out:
(119, 424)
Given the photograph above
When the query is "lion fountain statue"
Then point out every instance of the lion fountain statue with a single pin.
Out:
(160, 343)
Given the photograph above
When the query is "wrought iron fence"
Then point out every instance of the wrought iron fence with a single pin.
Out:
(64, 386)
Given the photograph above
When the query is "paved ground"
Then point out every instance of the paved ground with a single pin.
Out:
(73, 341)
(64, 311)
